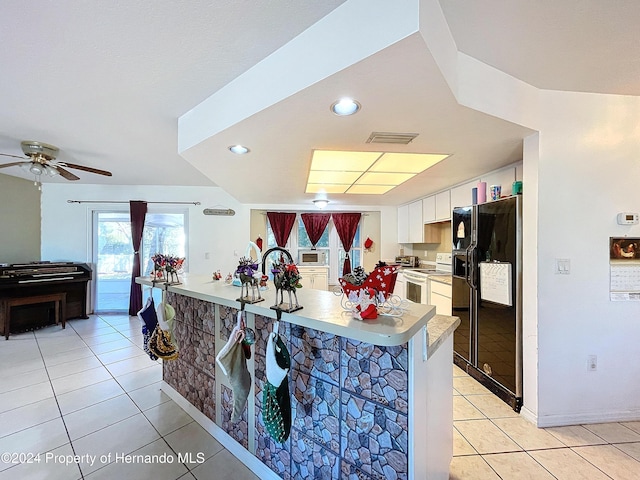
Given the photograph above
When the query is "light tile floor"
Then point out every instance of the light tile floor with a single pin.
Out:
(493, 442)
(91, 390)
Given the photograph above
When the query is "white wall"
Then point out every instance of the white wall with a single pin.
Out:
(579, 172)
(588, 171)
(66, 228)
(19, 220)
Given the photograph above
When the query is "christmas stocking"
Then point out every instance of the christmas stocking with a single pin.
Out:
(233, 364)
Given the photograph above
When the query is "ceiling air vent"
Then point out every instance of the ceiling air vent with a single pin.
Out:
(397, 138)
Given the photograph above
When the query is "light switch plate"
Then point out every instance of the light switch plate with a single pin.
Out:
(563, 266)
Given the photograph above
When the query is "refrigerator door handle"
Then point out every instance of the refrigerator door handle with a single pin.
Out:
(473, 253)
(466, 265)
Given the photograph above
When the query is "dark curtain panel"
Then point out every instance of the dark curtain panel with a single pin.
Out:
(346, 226)
(281, 225)
(314, 224)
(138, 212)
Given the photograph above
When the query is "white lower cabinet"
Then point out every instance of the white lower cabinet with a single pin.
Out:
(316, 278)
(440, 297)
(400, 288)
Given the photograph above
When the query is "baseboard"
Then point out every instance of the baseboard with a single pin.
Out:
(529, 415)
(587, 418)
(226, 440)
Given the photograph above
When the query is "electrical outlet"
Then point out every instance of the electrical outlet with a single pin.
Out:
(592, 363)
(206, 255)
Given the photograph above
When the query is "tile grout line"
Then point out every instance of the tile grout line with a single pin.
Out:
(539, 449)
(162, 437)
(55, 396)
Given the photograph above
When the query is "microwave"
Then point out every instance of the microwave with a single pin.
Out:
(312, 257)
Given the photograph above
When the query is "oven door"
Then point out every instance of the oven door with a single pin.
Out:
(416, 288)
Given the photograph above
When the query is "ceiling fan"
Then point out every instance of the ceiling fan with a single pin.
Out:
(42, 161)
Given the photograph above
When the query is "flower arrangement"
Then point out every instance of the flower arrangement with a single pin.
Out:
(166, 267)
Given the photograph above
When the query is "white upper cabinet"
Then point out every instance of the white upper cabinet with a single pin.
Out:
(461, 195)
(416, 225)
(403, 224)
(443, 206)
(504, 178)
(429, 209)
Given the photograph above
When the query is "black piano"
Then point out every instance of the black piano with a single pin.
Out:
(44, 278)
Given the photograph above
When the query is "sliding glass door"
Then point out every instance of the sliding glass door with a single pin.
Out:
(164, 232)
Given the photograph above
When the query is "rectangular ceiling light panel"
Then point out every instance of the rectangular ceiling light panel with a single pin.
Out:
(370, 189)
(383, 178)
(406, 162)
(326, 188)
(367, 173)
(324, 176)
(333, 160)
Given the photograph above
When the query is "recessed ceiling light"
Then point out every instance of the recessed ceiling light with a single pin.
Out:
(345, 106)
(239, 149)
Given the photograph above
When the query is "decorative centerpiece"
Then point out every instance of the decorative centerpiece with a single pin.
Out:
(286, 278)
(166, 268)
(249, 276)
(367, 296)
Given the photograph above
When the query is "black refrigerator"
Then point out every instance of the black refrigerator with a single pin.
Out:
(487, 295)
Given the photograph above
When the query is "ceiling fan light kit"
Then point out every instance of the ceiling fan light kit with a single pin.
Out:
(41, 159)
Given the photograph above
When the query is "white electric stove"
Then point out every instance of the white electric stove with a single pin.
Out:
(417, 279)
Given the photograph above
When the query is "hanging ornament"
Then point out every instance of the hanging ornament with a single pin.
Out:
(368, 244)
(259, 242)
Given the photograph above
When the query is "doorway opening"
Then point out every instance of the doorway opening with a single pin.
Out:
(164, 232)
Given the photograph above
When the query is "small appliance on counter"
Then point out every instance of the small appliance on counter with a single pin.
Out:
(312, 257)
(410, 261)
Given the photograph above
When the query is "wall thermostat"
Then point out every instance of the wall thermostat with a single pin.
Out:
(627, 218)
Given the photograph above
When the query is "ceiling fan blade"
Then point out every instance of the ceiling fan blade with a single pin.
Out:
(13, 163)
(66, 173)
(87, 169)
(14, 156)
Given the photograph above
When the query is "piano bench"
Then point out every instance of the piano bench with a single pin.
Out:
(59, 299)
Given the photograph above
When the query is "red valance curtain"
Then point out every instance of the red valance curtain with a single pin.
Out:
(346, 226)
(281, 225)
(138, 212)
(314, 224)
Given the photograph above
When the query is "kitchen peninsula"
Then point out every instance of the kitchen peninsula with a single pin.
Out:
(369, 399)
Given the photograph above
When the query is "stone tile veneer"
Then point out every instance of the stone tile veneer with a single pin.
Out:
(238, 430)
(349, 399)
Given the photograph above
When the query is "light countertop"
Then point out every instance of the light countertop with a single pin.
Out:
(441, 278)
(321, 311)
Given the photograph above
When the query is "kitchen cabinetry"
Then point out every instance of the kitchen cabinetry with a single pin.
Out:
(400, 288)
(443, 206)
(429, 209)
(416, 225)
(316, 277)
(440, 296)
(436, 208)
(432, 233)
(403, 224)
(461, 195)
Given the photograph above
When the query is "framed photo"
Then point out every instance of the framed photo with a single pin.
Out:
(624, 248)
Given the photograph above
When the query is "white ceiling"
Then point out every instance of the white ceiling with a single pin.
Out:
(107, 81)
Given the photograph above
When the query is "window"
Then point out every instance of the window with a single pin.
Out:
(329, 242)
(164, 232)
